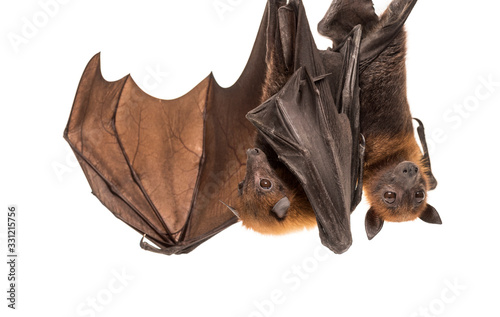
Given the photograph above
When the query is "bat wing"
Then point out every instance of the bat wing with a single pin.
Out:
(163, 166)
(426, 158)
(312, 135)
(392, 22)
(343, 15)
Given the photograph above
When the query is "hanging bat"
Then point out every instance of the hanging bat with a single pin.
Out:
(397, 175)
(306, 164)
(169, 168)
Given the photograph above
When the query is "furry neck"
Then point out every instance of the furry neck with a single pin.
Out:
(389, 150)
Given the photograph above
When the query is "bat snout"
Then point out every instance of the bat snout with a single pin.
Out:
(257, 163)
(256, 156)
(253, 152)
(406, 170)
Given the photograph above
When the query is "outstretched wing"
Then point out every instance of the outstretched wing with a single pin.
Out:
(163, 166)
(312, 134)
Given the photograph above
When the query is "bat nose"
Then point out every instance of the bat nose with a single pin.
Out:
(408, 169)
(254, 151)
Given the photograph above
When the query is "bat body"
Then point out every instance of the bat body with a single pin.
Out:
(268, 181)
(305, 167)
(397, 175)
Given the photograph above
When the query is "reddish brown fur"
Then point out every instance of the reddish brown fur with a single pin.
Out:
(255, 205)
(390, 151)
(258, 216)
(384, 150)
(276, 76)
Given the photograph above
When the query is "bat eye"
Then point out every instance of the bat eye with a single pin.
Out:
(419, 196)
(265, 184)
(390, 197)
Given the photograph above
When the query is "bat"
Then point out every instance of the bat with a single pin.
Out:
(170, 168)
(397, 175)
(307, 161)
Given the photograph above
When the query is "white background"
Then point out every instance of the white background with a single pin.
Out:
(71, 248)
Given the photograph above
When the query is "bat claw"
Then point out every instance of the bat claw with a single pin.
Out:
(234, 211)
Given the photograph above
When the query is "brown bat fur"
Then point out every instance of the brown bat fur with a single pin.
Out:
(255, 209)
(255, 206)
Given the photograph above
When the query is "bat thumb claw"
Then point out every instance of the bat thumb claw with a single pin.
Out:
(234, 211)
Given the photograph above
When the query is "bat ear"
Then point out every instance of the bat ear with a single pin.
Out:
(431, 215)
(281, 207)
(373, 224)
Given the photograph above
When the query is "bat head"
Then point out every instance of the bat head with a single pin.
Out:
(267, 204)
(399, 193)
